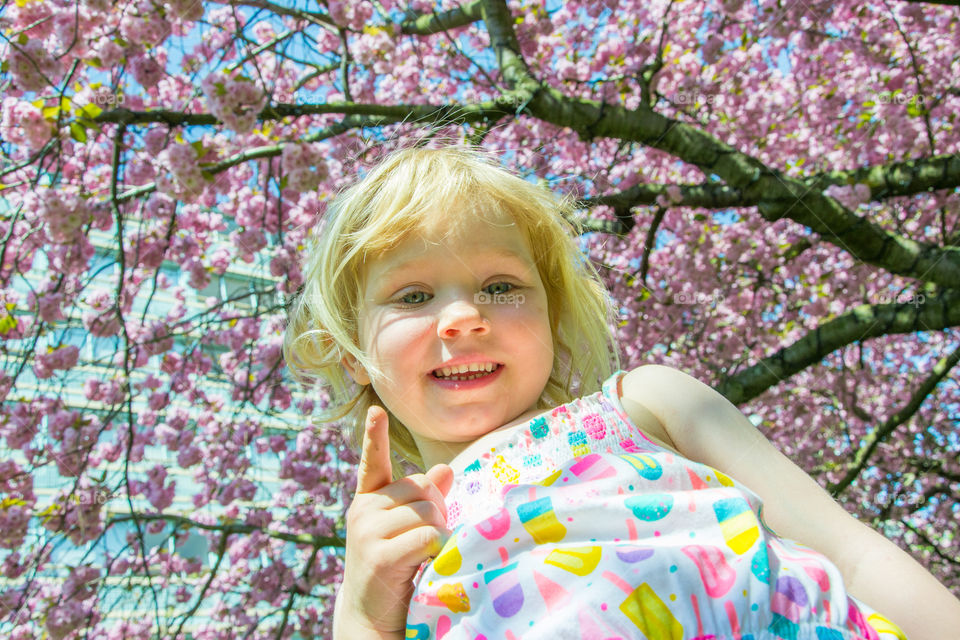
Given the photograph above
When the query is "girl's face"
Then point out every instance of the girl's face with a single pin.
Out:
(446, 301)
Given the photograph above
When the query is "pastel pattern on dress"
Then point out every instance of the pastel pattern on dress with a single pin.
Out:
(505, 590)
(578, 521)
(540, 521)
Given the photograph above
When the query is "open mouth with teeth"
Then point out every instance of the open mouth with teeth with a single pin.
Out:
(465, 371)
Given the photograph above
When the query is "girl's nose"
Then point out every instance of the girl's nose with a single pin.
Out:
(460, 318)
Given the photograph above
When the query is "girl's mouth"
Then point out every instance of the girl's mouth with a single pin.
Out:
(465, 373)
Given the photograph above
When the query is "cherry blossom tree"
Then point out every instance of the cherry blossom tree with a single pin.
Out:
(770, 189)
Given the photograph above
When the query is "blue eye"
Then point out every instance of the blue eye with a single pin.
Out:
(414, 297)
(498, 288)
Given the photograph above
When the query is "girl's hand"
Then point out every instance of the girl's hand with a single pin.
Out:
(392, 528)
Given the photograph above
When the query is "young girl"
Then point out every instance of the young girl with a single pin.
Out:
(562, 499)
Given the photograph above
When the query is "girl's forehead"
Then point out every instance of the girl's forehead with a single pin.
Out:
(438, 223)
(458, 221)
(494, 234)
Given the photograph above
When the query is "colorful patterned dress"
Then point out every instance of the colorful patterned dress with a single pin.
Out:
(578, 526)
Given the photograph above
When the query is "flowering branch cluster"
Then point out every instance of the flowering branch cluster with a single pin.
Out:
(771, 190)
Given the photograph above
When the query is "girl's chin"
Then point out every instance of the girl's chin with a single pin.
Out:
(464, 429)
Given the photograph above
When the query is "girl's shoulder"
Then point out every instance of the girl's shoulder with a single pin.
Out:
(695, 419)
(650, 396)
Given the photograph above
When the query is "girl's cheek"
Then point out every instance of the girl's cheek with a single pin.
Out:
(529, 310)
(398, 333)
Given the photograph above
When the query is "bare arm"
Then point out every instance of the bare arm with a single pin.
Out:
(703, 426)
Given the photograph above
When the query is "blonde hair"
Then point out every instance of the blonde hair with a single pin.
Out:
(394, 201)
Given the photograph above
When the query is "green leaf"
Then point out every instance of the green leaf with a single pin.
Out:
(91, 110)
(12, 502)
(915, 107)
(7, 324)
(77, 132)
(49, 512)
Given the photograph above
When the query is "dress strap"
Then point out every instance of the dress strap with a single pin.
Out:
(613, 387)
(613, 391)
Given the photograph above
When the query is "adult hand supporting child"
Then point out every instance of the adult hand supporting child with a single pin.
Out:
(392, 528)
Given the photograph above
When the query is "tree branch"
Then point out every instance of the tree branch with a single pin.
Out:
(777, 196)
(881, 433)
(707, 195)
(220, 555)
(267, 151)
(905, 178)
(931, 544)
(446, 113)
(650, 243)
(232, 528)
(949, 3)
(444, 21)
(937, 466)
(321, 19)
(859, 323)
(896, 179)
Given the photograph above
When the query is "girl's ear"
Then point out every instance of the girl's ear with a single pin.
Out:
(355, 369)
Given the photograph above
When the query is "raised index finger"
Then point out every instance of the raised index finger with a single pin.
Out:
(375, 470)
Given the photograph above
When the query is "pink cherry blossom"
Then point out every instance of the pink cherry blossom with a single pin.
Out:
(23, 123)
(234, 100)
(745, 174)
(60, 358)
